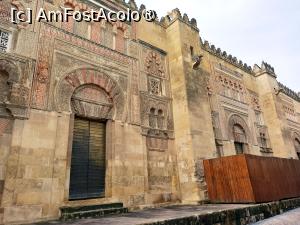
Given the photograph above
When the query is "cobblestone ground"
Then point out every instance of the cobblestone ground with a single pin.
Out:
(289, 218)
(152, 215)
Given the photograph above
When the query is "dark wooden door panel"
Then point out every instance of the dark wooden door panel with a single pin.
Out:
(87, 178)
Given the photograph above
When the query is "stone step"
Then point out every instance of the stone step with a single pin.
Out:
(91, 211)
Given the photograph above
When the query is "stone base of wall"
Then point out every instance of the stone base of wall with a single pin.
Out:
(240, 216)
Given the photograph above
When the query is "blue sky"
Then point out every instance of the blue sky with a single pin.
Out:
(251, 30)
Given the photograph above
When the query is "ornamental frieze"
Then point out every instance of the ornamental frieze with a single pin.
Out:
(48, 35)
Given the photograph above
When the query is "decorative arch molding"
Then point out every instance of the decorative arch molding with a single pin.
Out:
(237, 120)
(80, 78)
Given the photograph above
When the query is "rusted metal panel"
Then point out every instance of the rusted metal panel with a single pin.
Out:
(228, 180)
(248, 179)
(274, 178)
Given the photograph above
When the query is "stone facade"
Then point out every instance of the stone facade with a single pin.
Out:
(169, 101)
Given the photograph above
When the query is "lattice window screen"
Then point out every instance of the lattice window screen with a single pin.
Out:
(4, 40)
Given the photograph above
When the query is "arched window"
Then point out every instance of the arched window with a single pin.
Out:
(297, 147)
(160, 119)
(152, 118)
(240, 139)
(4, 87)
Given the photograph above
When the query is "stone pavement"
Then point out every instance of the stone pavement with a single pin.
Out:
(288, 218)
(153, 215)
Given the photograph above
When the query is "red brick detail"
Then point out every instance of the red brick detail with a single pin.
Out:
(46, 46)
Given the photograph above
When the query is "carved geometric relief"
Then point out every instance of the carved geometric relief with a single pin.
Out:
(228, 86)
(14, 87)
(254, 100)
(154, 86)
(48, 35)
(154, 65)
(289, 110)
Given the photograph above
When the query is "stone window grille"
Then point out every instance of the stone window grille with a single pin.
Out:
(154, 86)
(4, 41)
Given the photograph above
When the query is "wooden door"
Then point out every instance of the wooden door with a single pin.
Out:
(87, 178)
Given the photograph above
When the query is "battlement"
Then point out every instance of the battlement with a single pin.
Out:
(289, 92)
(227, 57)
(172, 16)
(264, 68)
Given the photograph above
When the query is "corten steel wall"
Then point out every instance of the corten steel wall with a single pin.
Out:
(252, 179)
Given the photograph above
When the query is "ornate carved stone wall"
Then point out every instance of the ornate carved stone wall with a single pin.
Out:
(105, 88)
(16, 76)
(138, 77)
